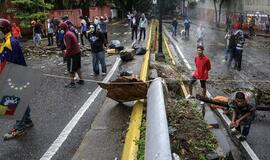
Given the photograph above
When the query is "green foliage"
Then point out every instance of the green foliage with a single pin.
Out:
(27, 10)
(141, 141)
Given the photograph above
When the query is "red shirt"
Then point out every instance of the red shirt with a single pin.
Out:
(202, 67)
(71, 42)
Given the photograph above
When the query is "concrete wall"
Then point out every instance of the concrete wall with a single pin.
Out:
(73, 15)
(100, 11)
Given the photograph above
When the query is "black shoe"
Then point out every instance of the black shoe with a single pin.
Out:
(242, 138)
(29, 124)
(70, 85)
(81, 82)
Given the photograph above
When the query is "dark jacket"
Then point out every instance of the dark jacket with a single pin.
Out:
(174, 23)
(97, 41)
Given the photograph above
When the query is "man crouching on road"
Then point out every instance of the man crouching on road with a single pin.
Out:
(243, 114)
(203, 66)
(72, 55)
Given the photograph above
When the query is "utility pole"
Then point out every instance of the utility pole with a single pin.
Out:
(160, 51)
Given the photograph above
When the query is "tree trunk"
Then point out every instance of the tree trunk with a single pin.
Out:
(215, 5)
(219, 14)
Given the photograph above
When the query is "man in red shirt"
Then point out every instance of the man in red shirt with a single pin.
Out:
(203, 65)
(72, 55)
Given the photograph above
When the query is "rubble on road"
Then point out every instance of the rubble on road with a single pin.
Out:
(49, 50)
(125, 89)
(127, 54)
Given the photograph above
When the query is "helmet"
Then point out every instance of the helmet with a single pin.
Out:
(101, 17)
(5, 25)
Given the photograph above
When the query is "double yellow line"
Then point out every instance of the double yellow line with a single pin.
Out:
(130, 148)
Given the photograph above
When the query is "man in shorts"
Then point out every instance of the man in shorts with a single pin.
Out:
(203, 66)
(72, 55)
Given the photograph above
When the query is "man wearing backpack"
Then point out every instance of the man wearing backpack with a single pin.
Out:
(187, 26)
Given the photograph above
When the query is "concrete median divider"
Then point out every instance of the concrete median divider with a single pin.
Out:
(130, 148)
(157, 135)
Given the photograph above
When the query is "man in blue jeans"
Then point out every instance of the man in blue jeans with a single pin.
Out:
(11, 51)
(97, 42)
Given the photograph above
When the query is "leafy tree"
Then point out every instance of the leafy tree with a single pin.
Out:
(138, 5)
(27, 10)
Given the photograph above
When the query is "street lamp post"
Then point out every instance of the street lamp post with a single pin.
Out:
(160, 50)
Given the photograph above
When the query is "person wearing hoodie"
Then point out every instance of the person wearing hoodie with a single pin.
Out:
(72, 54)
(97, 42)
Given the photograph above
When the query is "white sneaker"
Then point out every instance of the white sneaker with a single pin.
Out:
(103, 74)
(190, 96)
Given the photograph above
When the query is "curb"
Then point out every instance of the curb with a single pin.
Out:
(133, 134)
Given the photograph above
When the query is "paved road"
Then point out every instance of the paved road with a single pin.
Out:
(256, 66)
(53, 106)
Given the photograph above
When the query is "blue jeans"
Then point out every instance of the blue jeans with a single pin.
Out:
(20, 124)
(246, 127)
(37, 39)
(186, 31)
(231, 58)
(227, 53)
(174, 31)
(97, 58)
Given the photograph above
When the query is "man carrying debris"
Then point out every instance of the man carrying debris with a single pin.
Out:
(72, 55)
(203, 65)
(11, 51)
(97, 42)
(243, 113)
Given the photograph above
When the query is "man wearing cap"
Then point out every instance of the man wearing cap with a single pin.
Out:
(72, 54)
(11, 51)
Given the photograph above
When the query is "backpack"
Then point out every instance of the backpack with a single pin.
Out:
(187, 23)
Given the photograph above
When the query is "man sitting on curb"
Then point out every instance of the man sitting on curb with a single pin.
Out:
(243, 114)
